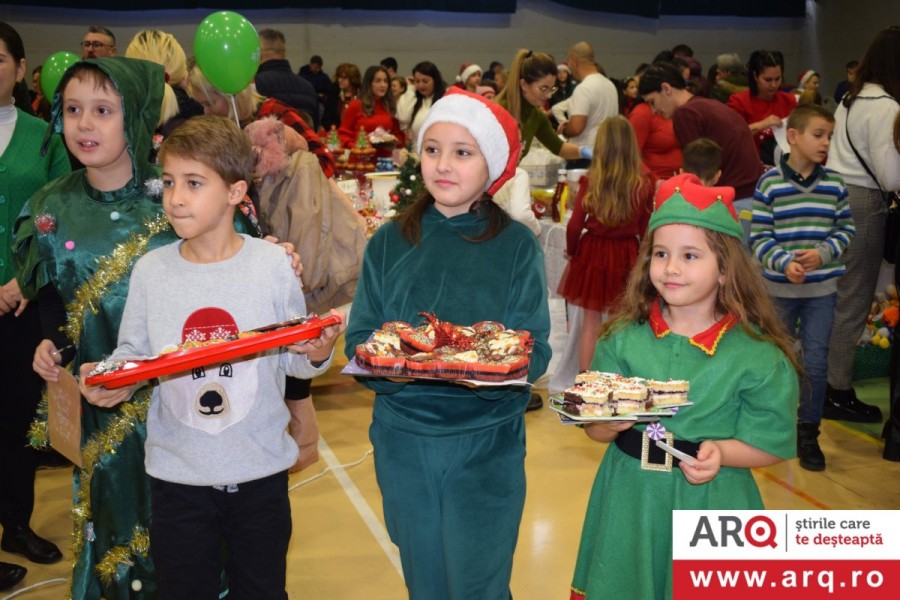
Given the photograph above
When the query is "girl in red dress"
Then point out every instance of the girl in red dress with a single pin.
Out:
(608, 220)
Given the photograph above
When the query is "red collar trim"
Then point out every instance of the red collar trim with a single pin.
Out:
(707, 341)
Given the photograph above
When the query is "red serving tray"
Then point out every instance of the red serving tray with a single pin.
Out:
(184, 360)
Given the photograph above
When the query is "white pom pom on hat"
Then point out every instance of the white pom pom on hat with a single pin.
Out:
(494, 129)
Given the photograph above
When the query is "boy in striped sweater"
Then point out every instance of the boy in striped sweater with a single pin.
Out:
(801, 226)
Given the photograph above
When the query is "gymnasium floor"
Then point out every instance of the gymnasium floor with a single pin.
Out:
(340, 550)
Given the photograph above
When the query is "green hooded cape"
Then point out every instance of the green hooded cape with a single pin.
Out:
(84, 242)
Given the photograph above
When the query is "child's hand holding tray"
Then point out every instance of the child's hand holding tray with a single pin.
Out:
(250, 342)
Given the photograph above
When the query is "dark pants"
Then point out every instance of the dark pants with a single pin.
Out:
(192, 524)
(19, 336)
(816, 316)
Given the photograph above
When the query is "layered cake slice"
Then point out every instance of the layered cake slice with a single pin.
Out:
(629, 395)
(671, 392)
(588, 399)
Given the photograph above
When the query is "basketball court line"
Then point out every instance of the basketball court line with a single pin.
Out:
(362, 507)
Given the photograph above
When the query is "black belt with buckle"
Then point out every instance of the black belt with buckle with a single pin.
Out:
(637, 444)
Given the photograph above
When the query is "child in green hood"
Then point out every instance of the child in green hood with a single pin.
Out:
(77, 240)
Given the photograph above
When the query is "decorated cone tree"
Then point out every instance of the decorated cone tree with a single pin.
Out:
(333, 142)
(409, 184)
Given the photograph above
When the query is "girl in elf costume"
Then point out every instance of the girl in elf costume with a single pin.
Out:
(449, 458)
(695, 308)
(76, 242)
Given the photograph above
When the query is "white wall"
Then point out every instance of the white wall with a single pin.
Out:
(834, 31)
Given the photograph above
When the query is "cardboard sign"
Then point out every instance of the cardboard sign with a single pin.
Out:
(64, 417)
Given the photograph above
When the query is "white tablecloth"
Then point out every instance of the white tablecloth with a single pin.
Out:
(565, 321)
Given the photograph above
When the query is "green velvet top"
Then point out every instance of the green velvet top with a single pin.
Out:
(501, 279)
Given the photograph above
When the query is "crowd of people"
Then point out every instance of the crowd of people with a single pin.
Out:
(146, 197)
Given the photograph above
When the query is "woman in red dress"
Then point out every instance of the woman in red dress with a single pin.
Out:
(764, 105)
(374, 108)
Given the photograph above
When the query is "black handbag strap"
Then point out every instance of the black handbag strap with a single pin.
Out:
(858, 156)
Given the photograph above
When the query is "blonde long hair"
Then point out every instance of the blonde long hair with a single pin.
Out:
(743, 293)
(163, 49)
(247, 100)
(615, 176)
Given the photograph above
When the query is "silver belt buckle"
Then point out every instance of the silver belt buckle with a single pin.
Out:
(645, 453)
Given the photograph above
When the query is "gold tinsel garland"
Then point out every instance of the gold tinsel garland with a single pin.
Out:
(38, 434)
(108, 567)
(111, 269)
(102, 443)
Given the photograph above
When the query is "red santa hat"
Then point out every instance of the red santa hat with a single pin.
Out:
(494, 129)
(805, 76)
(467, 70)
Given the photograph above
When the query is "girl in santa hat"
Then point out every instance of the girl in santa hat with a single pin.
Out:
(449, 458)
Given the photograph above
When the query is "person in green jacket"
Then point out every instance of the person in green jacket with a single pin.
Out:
(449, 458)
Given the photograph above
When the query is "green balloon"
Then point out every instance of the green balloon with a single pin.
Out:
(226, 47)
(53, 69)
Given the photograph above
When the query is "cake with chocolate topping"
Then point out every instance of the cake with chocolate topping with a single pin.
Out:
(486, 351)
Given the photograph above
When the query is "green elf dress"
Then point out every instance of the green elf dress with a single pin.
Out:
(81, 243)
(743, 387)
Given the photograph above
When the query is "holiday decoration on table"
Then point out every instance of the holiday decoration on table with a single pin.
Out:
(409, 184)
(332, 141)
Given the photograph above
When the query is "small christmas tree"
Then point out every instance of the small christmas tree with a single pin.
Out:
(409, 184)
(333, 143)
(362, 140)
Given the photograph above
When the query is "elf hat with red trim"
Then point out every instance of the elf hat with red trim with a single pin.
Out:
(684, 199)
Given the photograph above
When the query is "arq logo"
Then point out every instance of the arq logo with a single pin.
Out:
(758, 531)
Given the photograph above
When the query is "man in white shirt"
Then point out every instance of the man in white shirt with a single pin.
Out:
(594, 99)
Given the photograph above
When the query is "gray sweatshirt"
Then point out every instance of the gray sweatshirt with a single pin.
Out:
(225, 423)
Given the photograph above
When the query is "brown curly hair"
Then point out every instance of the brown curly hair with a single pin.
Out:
(743, 294)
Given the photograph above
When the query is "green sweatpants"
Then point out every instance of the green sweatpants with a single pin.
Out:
(453, 506)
